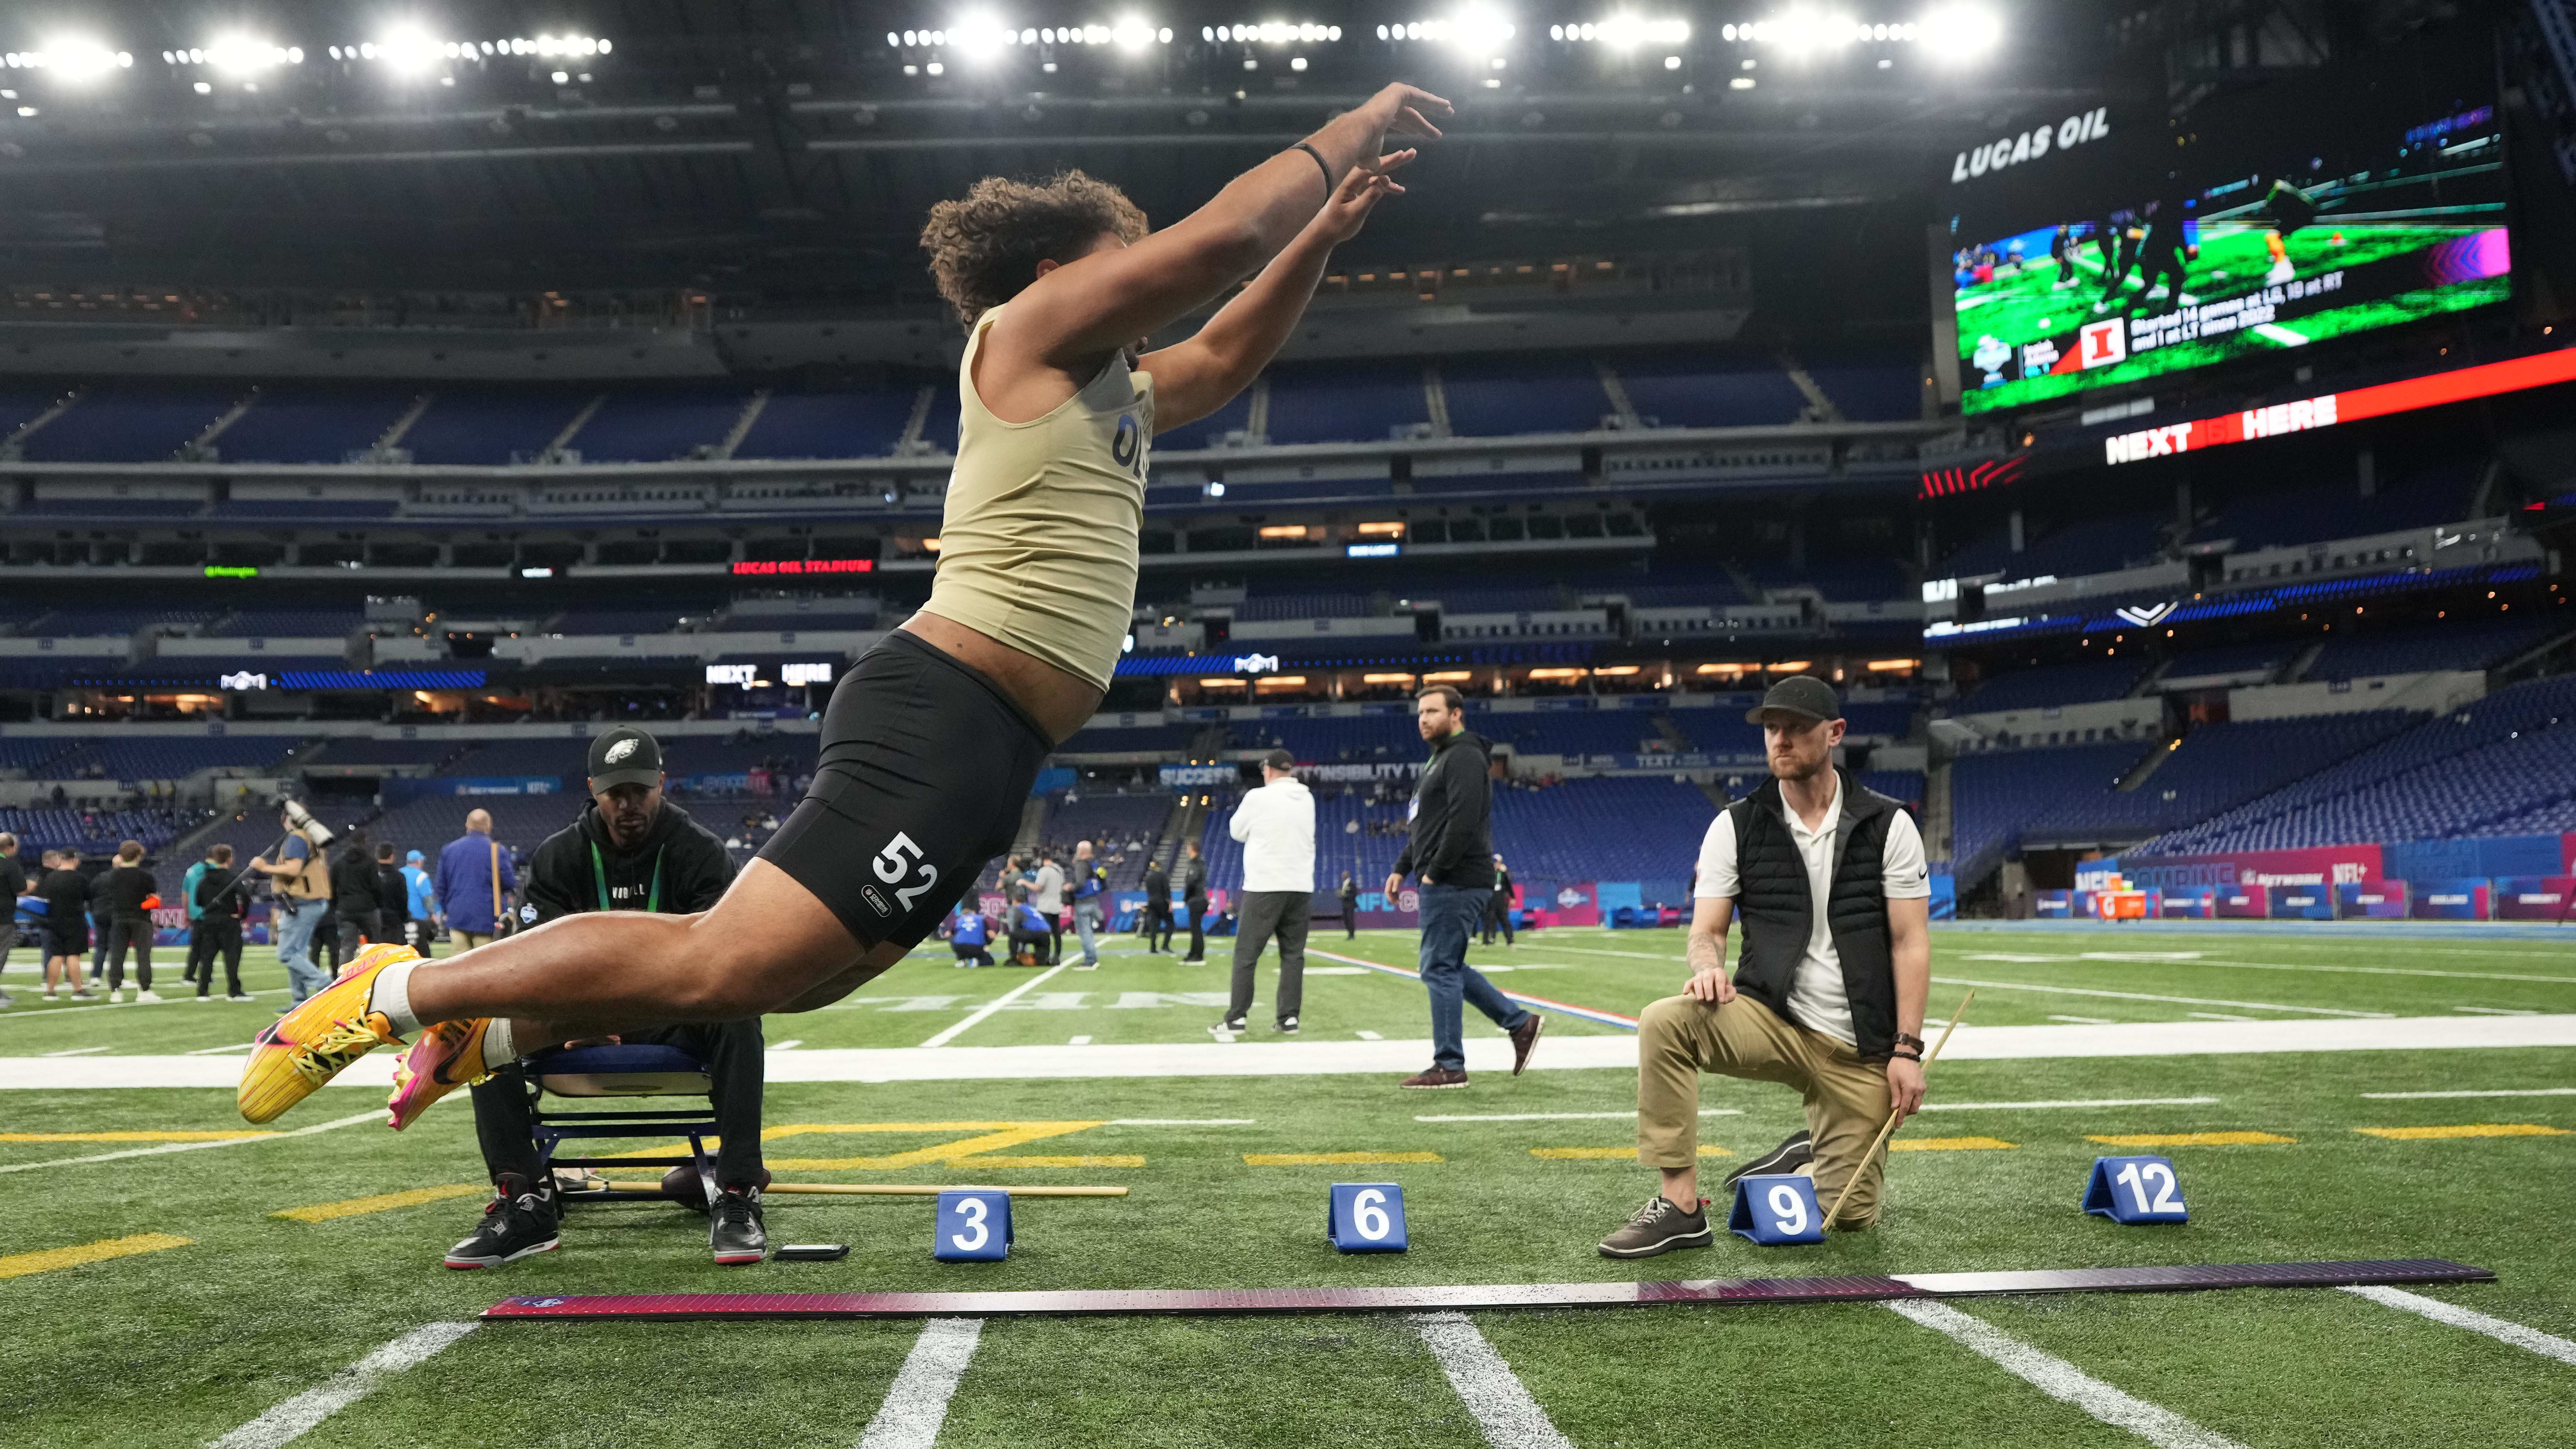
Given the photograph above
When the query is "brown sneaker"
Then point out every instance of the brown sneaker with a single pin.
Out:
(1434, 1079)
(1660, 1227)
(1525, 1041)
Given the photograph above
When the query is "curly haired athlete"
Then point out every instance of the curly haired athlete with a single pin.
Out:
(930, 743)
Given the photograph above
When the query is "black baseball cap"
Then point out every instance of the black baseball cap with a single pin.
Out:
(1279, 760)
(1800, 694)
(625, 756)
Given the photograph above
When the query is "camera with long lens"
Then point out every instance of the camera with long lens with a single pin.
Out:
(303, 819)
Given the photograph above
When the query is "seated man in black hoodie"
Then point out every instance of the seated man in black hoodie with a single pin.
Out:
(631, 850)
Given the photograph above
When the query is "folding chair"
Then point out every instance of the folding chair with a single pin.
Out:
(621, 1071)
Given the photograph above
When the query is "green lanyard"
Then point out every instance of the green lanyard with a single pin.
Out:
(599, 880)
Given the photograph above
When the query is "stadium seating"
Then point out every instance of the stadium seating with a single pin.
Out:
(1327, 741)
(1344, 402)
(2275, 517)
(1623, 828)
(491, 426)
(30, 757)
(1489, 397)
(339, 751)
(659, 425)
(1869, 391)
(313, 425)
(287, 624)
(1124, 829)
(864, 424)
(1573, 732)
(130, 425)
(1705, 390)
(2090, 546)
(1264, 608)
(614, 621)
(1209, 431)
(112, 758)
(99, 833)
(2263, 656)
(2509, 755)
(1165, 738)
(1905, 786)
(85, 622)
(2462, 645)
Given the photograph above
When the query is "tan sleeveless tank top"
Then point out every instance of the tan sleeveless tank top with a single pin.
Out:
(1038, 547)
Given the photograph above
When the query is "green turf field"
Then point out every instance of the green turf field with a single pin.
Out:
(2025, 305)
(184, 1342)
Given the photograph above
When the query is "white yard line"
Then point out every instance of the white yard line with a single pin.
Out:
(75, 1052)
(1079, 1041)
(1319, 1055)
(44, 1012)
(2497, 1010)
(1629, 1116)
(2386, 971)
(789, 1045)
(2547, 1345)
(300, 1415)
(2083, 1020)
(234, 1046)
(916, 1405)
(2145, 996)
(2063, 1381)
(1484, 1383)
(943, 1038)
(2071, 1102)
(2475, 1092)
(1179, 1122)
(1370, 1035)
(376, 1114)
(2216, 1016)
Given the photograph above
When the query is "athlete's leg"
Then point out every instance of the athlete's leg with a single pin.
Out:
(761, 948)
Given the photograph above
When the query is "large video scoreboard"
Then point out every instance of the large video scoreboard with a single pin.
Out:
(2119, 243)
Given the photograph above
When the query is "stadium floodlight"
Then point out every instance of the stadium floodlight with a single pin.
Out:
(1960, 32)
(242, 55)
(1801, 31)
(73, 58)
(406, 50)
(1623, 31)
(980, 37)
(1132, 33)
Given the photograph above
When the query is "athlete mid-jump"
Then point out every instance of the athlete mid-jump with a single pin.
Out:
(931, 742)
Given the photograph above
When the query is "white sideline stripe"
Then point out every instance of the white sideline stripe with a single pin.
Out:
(1317, 1056)
(2083, 1020)
(2144, 996)
(300, 1415)
(75, 1052)
(1006, 998)
(2063, 1381)
(2389, 971)
(373, 1115)
(43, 1013)
(2486, 1092)
(237, 1046)
(916, 1405)
(2087, 1102)
(2547, 1345)
(789, 1045)
(1179, 1122)
(2498, 1010)
(1484, 1383)
(1572, 1116)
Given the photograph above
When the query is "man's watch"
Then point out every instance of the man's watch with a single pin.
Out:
(1907, 1038)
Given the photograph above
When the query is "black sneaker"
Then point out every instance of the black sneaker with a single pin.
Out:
(1287, 1026)
(1795, 1151)
(519, 1222)
(734, 1229)
(1660, 1227)
(1232, 1026)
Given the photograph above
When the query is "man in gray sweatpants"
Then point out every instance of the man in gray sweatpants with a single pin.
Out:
(1276, 824)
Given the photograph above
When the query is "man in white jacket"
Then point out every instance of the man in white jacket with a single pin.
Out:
(1276, 824)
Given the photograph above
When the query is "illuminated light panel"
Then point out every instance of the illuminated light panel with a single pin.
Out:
(1625, 32)
(1273, 32)
(74, 58)
(2521, 373)
(1476, 30)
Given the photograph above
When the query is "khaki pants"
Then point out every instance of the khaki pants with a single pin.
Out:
(470, 940)
(1678, 1038)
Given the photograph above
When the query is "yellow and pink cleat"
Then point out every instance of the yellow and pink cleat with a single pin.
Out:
(307, 1047)
(446, 1056)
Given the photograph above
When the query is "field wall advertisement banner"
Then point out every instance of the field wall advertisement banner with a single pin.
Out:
(2498, 878)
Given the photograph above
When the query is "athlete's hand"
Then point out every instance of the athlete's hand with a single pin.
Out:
(1711, 986)
(1348, 209)
(1403, 110)
(1904, 1087)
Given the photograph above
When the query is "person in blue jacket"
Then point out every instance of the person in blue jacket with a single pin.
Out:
(467, 896)
(1090, 897)
(970, 936)
(420, 906)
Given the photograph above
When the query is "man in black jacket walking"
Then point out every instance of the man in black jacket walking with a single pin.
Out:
(631, 850)
(1195, 901)
(1451, 848)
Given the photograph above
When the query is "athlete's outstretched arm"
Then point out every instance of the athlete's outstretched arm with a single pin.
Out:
(1080, 312)
(1193, 379)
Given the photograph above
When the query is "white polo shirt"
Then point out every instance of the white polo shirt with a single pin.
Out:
(1816, 997)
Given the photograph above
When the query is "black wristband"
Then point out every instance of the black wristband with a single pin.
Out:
(1320, 164)
(1905, 1056)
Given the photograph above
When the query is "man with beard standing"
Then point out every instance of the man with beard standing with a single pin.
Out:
(1451, 846)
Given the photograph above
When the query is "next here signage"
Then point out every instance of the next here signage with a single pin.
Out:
(2538, 370)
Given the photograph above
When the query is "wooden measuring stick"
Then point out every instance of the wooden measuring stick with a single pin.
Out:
(1854, 1180)
(889, 1189)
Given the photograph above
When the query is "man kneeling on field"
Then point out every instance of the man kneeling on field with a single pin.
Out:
(1828, 993)
(630, 851)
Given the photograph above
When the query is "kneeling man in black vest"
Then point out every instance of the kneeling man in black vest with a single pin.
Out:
(1829, 881)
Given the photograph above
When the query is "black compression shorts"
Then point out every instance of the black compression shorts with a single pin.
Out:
(925, 767)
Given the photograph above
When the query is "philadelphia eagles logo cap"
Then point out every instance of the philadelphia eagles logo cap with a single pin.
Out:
(624, 756)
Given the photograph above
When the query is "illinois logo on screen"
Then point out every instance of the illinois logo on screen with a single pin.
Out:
(2100, 344)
